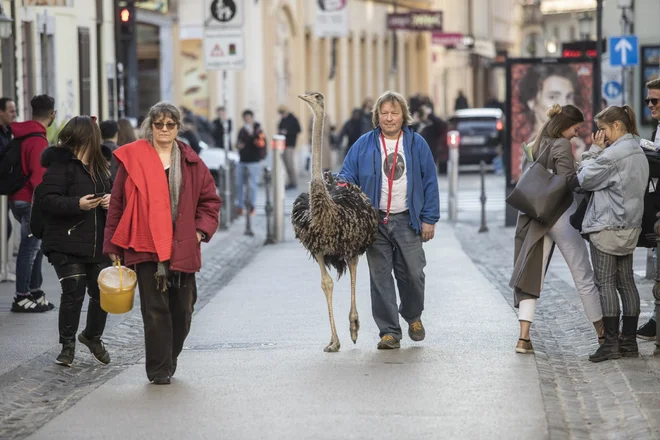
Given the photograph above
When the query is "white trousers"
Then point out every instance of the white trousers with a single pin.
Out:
(574, 250)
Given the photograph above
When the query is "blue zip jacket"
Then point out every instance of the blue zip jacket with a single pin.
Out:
(362, 167)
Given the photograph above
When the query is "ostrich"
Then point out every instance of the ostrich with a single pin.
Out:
(335, 222)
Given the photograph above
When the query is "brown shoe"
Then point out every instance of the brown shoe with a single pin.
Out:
(524, 346)
(240, 211)
(416, 331)
(388, 342)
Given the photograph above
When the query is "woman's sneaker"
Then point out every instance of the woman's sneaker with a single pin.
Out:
(97, 348)
(647, 331)
(26, 304)
(66, 356)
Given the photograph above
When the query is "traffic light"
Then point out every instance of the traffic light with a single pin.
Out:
(126, 19)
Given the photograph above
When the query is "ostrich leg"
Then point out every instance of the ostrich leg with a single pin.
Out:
(353, 314)
(327, 285)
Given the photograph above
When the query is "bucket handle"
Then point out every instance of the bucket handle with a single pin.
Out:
(117, 264)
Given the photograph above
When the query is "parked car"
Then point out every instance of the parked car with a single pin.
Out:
(481, 133)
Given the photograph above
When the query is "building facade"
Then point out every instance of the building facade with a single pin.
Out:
(65, 50)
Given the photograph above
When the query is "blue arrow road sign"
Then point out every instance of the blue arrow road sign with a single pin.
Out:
(624, 51)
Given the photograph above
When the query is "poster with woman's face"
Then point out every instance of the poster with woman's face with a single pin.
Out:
(535, 87)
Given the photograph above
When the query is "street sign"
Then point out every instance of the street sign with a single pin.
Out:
(224, 14)
(447, 40)
(331, 18)
(416, 21)
(224, 49)
(624, 51)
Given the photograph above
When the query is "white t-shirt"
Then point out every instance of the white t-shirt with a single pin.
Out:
(400, 185)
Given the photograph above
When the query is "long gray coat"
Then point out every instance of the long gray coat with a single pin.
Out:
(528, 251)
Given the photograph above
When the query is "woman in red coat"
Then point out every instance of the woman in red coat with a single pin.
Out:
(160, 178)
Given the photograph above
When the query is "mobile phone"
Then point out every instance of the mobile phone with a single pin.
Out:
(99, 195)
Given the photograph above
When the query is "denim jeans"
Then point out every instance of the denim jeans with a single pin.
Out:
(28, 262)
(397, 248)
(254, 168)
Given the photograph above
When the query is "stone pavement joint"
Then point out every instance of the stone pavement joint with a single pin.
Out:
(39, 390)
(583, 400)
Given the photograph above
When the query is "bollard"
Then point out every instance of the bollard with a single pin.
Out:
(454, 140)
(224, 217)
(484, 226)
(277, 146)
(650, 265)
(248, 204)
(4, 240)
(270, 239)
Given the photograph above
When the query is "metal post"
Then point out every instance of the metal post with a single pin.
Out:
(248, 204)
(229, 203)
(452, 174)
(650, 265)
(220, 182)
(4, 240)
(278, 145)
(270, 239)
(484, 227)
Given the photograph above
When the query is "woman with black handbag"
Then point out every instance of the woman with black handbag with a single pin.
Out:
(616, 171)
(535, 239)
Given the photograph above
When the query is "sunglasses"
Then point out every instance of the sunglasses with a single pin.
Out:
(169, 125)
(652, 101)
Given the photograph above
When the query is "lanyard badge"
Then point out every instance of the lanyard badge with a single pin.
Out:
(390, 180)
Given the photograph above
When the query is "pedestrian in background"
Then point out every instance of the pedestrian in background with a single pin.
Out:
(29, 296)
(7, 116)
(252, 150)
(222, 128)
(110, 136)
(403, 186)
(535, 241)
(126, 132)
(289, 127)
(648, 330)
(73, 200)
(616, 171)
(159, 231)
(351, 130)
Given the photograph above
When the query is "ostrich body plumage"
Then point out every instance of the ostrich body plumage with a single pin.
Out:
(340, 223)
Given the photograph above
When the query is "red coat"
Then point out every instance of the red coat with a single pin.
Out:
(199, 207)
(31, 150)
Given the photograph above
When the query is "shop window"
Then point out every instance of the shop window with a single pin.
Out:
(27, 49)
(84, 71)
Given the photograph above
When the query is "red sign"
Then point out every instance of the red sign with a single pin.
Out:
(416, 21)
(446, 40)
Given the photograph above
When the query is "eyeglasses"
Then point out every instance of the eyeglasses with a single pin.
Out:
(652, 101)
(169, 125)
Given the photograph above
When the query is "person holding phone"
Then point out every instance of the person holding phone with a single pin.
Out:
(73, 200)
(616, 172)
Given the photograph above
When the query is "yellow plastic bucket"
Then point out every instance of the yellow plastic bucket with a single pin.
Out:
(117, 285)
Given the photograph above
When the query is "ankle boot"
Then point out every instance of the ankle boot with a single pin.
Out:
(610, 348)
(628, 341)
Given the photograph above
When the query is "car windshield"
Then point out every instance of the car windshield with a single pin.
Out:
(481, 125)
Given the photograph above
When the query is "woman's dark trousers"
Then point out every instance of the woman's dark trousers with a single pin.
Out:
(167, 316)
(75, 278)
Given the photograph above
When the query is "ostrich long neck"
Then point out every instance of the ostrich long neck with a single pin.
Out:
(317, 144)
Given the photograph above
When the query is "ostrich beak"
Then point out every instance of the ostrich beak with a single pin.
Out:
(304, 97)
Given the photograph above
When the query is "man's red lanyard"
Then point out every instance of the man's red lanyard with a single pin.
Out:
(390, 181)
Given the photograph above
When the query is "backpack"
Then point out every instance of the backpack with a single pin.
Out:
(12, 178)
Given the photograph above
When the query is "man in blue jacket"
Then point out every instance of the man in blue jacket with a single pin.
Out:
(394, 167)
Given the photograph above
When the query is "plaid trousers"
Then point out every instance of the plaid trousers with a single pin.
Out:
(615, 273)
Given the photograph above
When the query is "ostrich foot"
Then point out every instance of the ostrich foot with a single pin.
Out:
(333, 347)
(355, 328)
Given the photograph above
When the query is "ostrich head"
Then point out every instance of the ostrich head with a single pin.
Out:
(314, 100)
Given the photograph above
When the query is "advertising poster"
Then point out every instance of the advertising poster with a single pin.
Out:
(650, 68)
(534, 86)
(195, 79)
(331, 18)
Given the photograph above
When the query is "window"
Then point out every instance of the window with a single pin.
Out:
(47, 46)
(8, 78)
(84, 72)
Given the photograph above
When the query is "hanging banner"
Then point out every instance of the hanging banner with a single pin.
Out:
(331, 18)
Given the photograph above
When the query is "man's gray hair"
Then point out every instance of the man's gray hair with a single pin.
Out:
(391, 97)
(162, 109)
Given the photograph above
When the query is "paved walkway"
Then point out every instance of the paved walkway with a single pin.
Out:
(255, 367)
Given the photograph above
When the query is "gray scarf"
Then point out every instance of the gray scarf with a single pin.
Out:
(175, 191)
